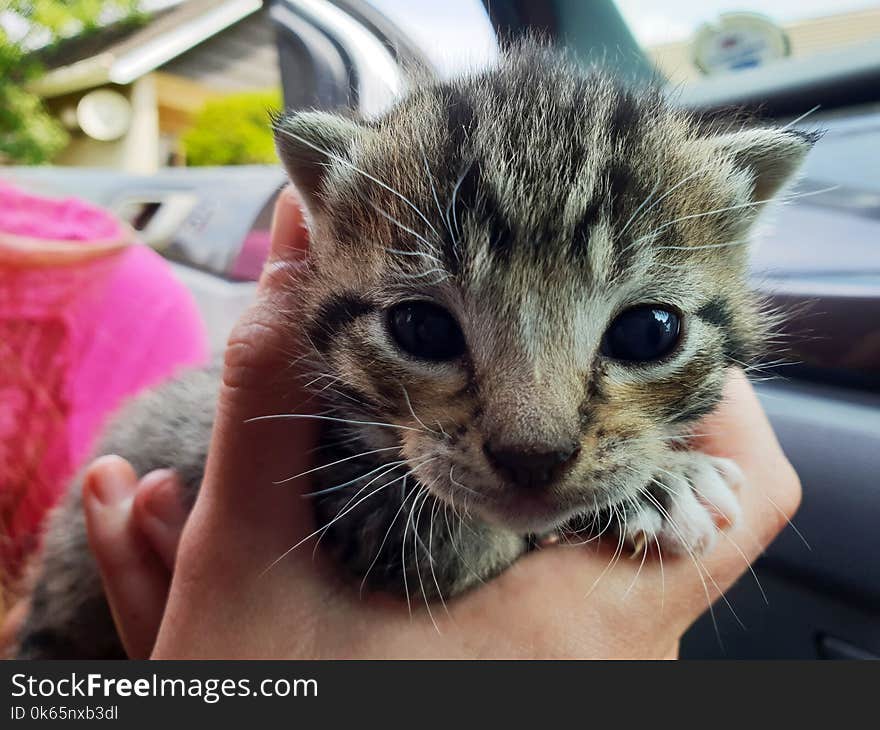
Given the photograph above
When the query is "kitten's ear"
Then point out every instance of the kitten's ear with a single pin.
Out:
(771, 156)
(308, 144)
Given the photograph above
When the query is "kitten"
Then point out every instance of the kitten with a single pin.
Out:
(524, 288)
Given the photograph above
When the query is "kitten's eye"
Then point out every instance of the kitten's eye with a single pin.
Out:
(426, 331)
(642, 334)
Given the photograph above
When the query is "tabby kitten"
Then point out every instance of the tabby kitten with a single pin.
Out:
(525, 286)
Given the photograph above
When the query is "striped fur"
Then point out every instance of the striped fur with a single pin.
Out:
(534, 201)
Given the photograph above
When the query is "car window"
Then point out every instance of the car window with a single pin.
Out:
(455, 35)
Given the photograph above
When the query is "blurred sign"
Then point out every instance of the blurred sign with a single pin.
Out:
(738, 41)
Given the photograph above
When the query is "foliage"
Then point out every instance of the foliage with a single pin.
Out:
(28, 133)
(233, 130)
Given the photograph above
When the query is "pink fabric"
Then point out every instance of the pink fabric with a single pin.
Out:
(69, 219)
(75, 341)
(144, 328)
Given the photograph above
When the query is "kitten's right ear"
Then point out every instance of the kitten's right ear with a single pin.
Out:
(308, 144)
(771, 156)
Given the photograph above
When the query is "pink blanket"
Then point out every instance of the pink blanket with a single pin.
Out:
(77, 336)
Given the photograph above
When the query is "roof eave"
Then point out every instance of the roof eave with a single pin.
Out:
(85, 74)
(128, 67)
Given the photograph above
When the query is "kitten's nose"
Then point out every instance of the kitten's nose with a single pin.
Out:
(530, 467)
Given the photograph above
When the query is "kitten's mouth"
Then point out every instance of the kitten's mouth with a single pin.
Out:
(527, 513)
(523, 510)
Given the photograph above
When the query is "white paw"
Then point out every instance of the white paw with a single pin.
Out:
(692, 497)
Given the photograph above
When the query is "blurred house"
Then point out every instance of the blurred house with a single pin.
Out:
(806, 38)
(127, 91)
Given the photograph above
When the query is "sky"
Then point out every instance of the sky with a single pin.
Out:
(454, 34)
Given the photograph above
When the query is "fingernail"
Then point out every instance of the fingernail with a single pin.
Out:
(289, 233)
(163, 496)
(110, 480)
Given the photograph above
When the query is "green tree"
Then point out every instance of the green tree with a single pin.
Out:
(28, 133)
(233, 130)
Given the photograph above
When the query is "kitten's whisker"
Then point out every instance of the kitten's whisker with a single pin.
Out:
(348, 397)
(677, 530)
(367, 175)
(400, 225)
(283, 416)
(644, 557)
(409, 405)
(801, 118)
(648, 237)
(406, 525)
(398, 252)
(421, 274)
(694, 560)
(459, 484)
(337, 487)
(461, 523)
(790, 523)
(611, 514)
(749, 204)
(451, 205)
(641, 205)
(439, 207)
(724, 534)
(357, 494)
(388, 531)
(321, 529)
(334, 463)
(451, 532)
(671, 190)
(662, 575)
(333, 445)
(699, 171)
(622, 536)
(361, 490)
(316, 378)
(417, 540)
(614, 557)
(431, 555)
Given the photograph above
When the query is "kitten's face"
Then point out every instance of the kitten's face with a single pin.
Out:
(521, 276)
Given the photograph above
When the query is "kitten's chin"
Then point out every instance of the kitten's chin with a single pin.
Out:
(526, 514)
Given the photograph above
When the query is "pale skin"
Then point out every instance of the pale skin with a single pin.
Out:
(198, 587)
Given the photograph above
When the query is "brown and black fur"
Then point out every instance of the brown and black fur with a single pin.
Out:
(534, 201)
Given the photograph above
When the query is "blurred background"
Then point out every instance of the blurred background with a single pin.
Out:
(138, 85)
(138, 175)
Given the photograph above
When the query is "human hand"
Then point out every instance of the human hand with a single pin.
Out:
(221, 602)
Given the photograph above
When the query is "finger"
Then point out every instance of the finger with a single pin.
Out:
(160, 513)
(11, 625)
(247, 457)
(135, 580)
(290, 236)
(770, 491)
(239, 502)
(769, 494)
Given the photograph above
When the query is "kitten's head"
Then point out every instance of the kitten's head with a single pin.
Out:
(534, 277)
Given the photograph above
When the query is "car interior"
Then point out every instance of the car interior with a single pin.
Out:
(815, 593)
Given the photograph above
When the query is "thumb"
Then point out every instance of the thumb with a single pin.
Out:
(247, 457)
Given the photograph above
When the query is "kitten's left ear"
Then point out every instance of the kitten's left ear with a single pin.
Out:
(308, 144)
(772, 156)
